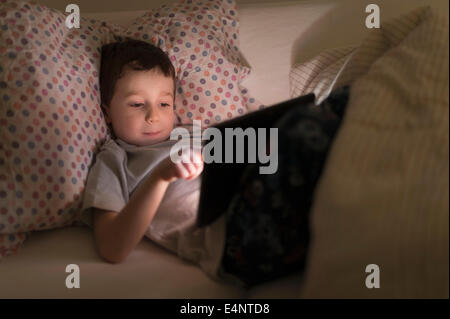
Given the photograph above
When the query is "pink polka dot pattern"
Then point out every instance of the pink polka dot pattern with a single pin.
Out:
(50, 119)
(202, 39)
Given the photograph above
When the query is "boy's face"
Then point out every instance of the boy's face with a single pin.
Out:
(141, 109)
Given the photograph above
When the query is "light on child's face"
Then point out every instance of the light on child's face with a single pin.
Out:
(141, 110)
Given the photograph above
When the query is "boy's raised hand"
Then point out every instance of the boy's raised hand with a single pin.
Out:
(190, 167)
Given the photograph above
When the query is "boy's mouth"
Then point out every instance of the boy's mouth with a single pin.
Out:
(152, 133)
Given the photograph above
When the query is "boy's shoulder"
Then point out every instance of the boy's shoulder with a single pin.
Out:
(109, 159)
(110, 145)
(110, 148)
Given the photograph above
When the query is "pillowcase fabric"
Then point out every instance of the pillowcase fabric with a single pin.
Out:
(51, 123)
(322, 74)
(202, 39)
(50, 117)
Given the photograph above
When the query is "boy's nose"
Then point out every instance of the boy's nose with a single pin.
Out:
(152, 116)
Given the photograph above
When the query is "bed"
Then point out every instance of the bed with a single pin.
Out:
(277, 41)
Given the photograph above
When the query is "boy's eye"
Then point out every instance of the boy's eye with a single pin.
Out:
(136, 104)
(165, 104)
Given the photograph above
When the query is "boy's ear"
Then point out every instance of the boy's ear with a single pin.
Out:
(105, 110)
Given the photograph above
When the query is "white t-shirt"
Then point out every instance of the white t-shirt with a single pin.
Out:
(118, 170)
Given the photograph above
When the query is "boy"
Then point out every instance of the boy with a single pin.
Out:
(134, 188)
(133, 176)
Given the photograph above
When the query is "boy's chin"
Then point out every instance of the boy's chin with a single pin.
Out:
(145, 138)
(155, 139)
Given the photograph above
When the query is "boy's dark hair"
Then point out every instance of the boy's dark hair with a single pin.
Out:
(135, 54)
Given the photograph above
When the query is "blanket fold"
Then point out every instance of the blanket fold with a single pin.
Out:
(383, 197)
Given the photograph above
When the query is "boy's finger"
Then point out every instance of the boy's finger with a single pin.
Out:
(199, 165)
(189, 167)
(182, 171)
(195, 175)
(195, 156)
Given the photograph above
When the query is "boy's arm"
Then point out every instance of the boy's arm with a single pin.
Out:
(116, 234)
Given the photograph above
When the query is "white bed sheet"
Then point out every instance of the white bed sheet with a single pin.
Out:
(39, 271)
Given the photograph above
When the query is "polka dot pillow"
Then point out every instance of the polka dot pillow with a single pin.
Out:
(50, 119)
(201, 38)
